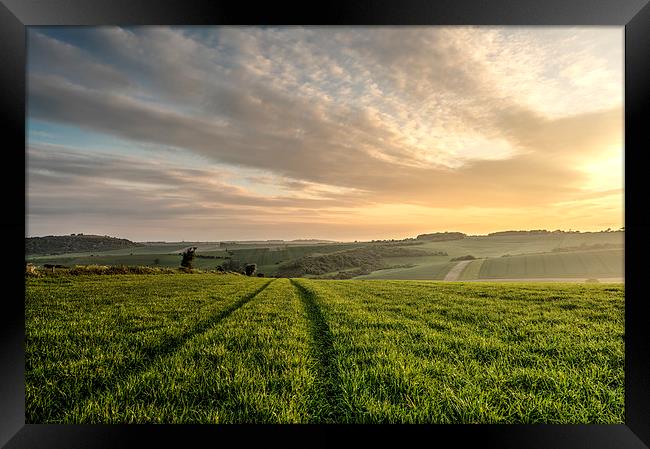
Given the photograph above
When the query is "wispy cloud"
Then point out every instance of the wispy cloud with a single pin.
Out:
(324, 122)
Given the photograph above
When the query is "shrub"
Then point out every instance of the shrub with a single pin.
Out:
(188, 257)
(250, 269)
(119, 269)
(467, 257)
(31, 271)
(328, 263)
(231, 265)
(441, 236)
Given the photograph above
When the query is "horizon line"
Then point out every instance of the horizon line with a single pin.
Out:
(262, 240)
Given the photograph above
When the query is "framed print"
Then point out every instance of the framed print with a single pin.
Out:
(361, 220)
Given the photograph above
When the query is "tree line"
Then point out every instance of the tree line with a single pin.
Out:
(250, 269)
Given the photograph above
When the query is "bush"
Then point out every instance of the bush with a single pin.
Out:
(188, 257)
(260, 275)
(31, 271)
(328, 263)
(441, 236)
(231, 265)
(119, 269)
(467, 257)
(250, 269)
(108, 270)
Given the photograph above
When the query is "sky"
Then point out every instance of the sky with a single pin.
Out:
(342, 133)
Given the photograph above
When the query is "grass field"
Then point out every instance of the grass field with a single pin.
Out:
(434, 268)
(593, 264)
(267, 257)
(163, 248)
(219, 348)
(472, 270)
(496, 246)
(529, 256)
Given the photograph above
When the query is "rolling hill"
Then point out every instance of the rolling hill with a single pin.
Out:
(61, 244)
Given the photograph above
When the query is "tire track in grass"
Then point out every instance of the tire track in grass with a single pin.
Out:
(473, 270)
(171, 345)
(174, 343)
(456, 271)
(324, 405)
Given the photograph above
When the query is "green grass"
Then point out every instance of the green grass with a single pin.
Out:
(164, 260)
(138, 250)
(435, 268)
(85, 333)
(210, 348)
(496, 246)
(472, 270)
(267, 258)
(252, 365)
(474, 353)
(594, 264)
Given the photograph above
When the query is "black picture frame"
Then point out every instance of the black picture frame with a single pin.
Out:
(16, 15)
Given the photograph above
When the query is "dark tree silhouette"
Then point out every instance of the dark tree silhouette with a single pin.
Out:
(250, 269)
(231, 265)
(188, 257)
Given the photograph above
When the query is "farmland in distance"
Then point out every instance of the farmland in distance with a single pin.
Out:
(564, 255)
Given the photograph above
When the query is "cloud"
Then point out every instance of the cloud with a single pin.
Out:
(56, 57)
(324, 152)
(442, 117)
(146, 188)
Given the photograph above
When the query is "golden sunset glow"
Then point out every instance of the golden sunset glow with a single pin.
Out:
(323, 132)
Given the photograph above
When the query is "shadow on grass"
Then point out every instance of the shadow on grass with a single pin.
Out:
(323, 407)
(148, 355)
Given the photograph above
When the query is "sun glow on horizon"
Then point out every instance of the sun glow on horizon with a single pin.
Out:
(341, 133)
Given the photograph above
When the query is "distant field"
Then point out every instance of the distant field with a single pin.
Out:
(214, 348)
(607, 263)
(590, 264)
(140, 250)
(472, 270)
(529, 256)
(496, 246)
(435, 268)
(164, 260)
(267, 257)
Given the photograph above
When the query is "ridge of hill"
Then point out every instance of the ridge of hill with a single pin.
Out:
(61, 244)
(441, 236)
